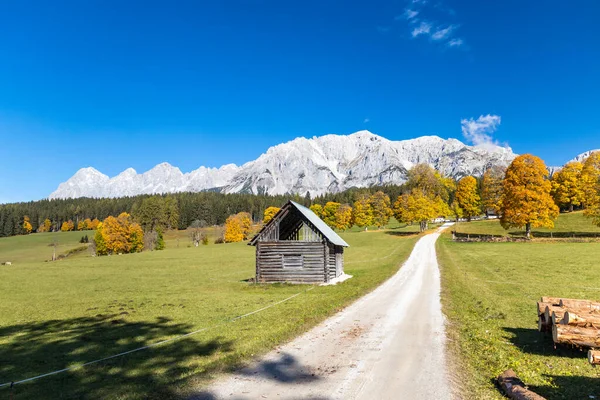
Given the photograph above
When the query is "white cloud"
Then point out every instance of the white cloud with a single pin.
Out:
(422, 29)
(410, 14)
(444, 33)
(418, 16)
(479, 131)
(366, 120)
(455, 42)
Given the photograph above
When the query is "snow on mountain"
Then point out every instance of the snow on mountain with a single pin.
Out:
(87, 182)
(329, 163)
(582, 157)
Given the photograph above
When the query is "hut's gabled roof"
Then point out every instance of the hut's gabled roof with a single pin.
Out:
(313, 219)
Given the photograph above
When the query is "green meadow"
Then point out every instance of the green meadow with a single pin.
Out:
(55, 315)
(490, 292)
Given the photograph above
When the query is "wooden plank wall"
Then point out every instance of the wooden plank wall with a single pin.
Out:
(271, 257)
(331, 262)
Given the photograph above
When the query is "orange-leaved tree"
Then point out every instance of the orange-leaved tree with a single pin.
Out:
(119, 235)
(567, 186)
(270, 213)
(67, 226)
(381, 207)
(26, 225)
(46, 226)
(526, 199)
(468, 198)
(94, 224)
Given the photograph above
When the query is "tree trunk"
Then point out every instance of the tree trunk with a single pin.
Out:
(575, 336)
(543, 325)
(515, 388)
(555, 301)
(557, 317)
(528, 230)
(571, 207)
(594, 357)
(581, 319)
(548, 313)
(582, 304)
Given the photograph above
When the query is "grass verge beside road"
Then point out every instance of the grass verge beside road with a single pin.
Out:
(54, 315)
(489, 296)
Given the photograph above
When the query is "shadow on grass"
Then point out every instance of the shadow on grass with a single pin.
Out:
(565, 235)
(395, 233)
(532, 341)
(43, 347)
(569, 387)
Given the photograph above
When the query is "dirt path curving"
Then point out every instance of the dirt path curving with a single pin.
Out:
(387, 345)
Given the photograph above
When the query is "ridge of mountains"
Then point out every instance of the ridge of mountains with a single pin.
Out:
(330, 163)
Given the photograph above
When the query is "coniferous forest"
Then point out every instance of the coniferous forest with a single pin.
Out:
(211, 207)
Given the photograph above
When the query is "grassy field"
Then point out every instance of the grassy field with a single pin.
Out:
(39, 247)
(566, 225)
(58, 314)
(489, 296)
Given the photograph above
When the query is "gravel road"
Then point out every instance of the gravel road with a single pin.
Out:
(387, 345)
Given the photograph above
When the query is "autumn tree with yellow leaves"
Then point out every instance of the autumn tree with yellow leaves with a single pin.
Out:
(27, 225)
(362, 211)
(118, 235)
(381, 207)
(468, 198)
(329, 213)
(46, 226)
(317, 209)
(418, 207)
(343, 217)
(567, 186)
(93, 224)
(269, 214)
(237, 227)
(590, 178)
(526, 199)
(67, 226)
(491, 189)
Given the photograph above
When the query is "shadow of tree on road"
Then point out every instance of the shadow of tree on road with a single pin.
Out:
(286, 369)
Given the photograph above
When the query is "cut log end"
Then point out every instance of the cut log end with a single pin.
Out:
(594, 357)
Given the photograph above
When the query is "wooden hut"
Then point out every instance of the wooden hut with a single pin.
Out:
(297, 246)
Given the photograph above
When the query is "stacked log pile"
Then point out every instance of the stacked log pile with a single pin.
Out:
(573, 322)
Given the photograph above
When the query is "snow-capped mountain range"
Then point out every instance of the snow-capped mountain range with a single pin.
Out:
(330, 163)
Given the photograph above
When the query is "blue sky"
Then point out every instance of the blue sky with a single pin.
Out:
(117, 84)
